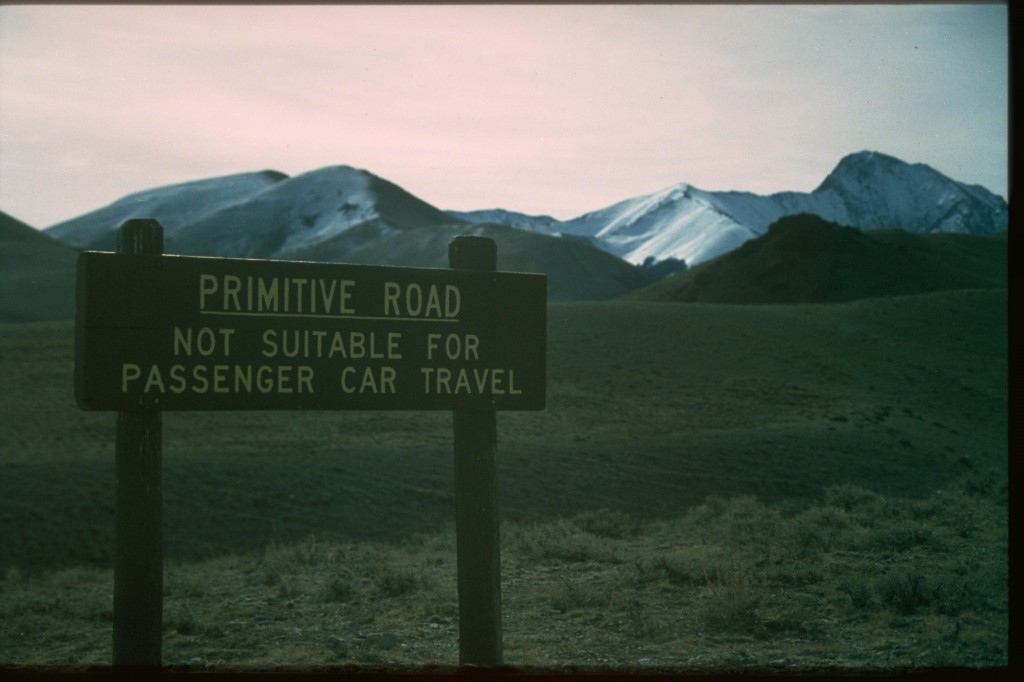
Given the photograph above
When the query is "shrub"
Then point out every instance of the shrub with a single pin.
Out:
(793, 574)
(561, 541)
(849, 497)
(731, 610)
(804, 539)
(398, 581)
(681, 570)
(573, 594)
(906, 591)
(789, 616)
(864, 507)
(821, 528)
(608, 524)
(899, 538)
(340, 587)
(729, 603)
(860, 592)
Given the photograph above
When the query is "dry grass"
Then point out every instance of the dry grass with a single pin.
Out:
(710, 488)
(854, 582)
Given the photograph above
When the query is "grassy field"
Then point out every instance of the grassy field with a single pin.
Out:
(712, 487)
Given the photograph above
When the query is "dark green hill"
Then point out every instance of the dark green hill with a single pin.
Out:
(805, 259)
(37, 274)
(652, 409)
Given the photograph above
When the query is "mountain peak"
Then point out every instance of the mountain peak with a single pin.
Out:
(173, 205)
(876, 190)
(865, 167)
(870, 156)
(242, 182)
(336, 169)
(274, 175)
(334, 211)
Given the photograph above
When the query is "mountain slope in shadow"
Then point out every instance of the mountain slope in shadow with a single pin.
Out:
(806, 259)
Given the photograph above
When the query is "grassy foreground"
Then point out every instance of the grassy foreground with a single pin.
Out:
(711, 487)
(857, 582)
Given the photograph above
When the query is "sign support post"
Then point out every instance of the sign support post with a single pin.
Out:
(138, 554)
(476, 502)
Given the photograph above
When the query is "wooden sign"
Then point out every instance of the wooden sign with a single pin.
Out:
(161, 332)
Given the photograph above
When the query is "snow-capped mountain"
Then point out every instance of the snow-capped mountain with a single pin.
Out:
(326, 212)
(335, 212)
(174, 205)
(262, 215)
(866, 190)
(872, 190)
(341, 214)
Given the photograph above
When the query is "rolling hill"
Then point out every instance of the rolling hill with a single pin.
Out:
(37, 274)
(711, 487)
(652, 409)
(805, 259)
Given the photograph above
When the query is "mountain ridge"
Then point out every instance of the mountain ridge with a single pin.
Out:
(866, 190)
(175, 205)
(303, 211)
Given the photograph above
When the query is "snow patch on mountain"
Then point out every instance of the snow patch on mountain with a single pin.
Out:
(173, 205)
(880, 191)
(294, 215)
(333, 212)
(680, 222)
(324, 203)
(867, 190)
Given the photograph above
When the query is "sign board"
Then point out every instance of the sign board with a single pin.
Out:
(162, 332)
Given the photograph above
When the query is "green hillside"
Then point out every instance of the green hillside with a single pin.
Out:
(37, 274)
(652, 409)
(711, 487)
(805, 259)
(786, 486)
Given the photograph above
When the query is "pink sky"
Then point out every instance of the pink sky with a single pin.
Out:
(553, 110)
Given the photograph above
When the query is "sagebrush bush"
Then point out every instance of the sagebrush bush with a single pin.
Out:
(398, 581)
(681, 569)
(608, 524)
(569, 595)
(731, 610)
(900, 538)
(341, 586)
(849, 497)
(905, 591)
(820, 581)
(793, 574)
(562, 540)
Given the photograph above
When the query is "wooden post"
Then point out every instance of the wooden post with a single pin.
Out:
(476, 502)
(138, 553)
